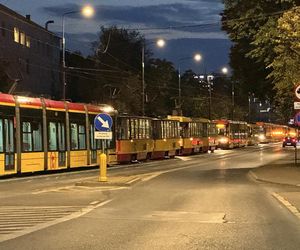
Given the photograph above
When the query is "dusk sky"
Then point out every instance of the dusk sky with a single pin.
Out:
(149, 17)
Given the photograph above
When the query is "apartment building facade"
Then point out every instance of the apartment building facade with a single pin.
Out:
(29, 56)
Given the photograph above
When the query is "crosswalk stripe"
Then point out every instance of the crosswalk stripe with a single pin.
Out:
(16, 221)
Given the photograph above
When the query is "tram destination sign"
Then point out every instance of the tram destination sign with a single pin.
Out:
(103, 125)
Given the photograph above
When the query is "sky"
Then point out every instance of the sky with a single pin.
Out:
(188, 26)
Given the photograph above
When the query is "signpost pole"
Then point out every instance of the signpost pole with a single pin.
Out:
(103, 131)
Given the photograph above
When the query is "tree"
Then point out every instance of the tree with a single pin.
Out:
(161, 87)
(118, 55)
(253, 28)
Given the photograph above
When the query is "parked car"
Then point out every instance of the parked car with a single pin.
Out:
(289, 141)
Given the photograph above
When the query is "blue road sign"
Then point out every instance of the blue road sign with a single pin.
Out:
(103, 123)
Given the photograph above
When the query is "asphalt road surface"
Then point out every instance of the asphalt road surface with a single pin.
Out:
(206, 201)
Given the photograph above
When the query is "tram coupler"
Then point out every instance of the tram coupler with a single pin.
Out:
(103, 167)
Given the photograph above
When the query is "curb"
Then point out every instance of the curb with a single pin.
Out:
(254, 176)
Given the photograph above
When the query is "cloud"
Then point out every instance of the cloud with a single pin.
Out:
(163, 15)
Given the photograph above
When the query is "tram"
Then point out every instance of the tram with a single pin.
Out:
(194, 135)
(38, 134)
(142, 138)
(269, 132)
(231, 134)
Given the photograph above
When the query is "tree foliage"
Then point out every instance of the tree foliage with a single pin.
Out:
(265, 34)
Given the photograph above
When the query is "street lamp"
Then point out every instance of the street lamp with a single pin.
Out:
(159, 43)
(197, 57)
(86, 11)
(225, 72)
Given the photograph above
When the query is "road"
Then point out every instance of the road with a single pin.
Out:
(206, 201)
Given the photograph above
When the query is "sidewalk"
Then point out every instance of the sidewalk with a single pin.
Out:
(283, 173)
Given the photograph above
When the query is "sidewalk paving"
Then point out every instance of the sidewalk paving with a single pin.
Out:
(283, 173)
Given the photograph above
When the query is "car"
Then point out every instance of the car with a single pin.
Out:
(289, 141)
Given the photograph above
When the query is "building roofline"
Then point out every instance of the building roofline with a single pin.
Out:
(11, 12)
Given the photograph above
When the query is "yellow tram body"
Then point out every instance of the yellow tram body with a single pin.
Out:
(194, 134)
(38, 134)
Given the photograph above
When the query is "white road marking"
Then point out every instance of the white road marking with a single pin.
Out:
(184, 158)
(133, 180)
(35, 223)
(94, 202)
(287, 204)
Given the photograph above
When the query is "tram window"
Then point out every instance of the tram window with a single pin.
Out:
(32, 136)
(147, 129)
(171, 129)
(136, 128)
(37, 136)
(92, 136)
(204, 130)
(61, 136)
(141, 128)
(132, 128)
(162, 125)
(1, 136)
(52, 136)
(176, 129)
(74, 136)
(82, 142)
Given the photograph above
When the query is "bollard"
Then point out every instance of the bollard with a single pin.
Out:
(103, 168)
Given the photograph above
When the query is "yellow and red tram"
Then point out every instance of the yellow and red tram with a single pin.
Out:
(194, 134)
(38, 134)
(231, 134)
(269, 132)
(141, 138)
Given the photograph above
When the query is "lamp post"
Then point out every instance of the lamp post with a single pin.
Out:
(197, 57)
(225, 72)
(87, 11)
(160, 43)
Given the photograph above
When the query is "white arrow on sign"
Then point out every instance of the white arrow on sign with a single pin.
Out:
(104, 123)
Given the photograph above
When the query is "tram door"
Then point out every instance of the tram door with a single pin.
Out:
(57, 141)
(9, 145)
(93, 145)
(61, 144)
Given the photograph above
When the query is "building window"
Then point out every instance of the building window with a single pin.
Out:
(27, 41)
(16, 35)
(3, 31)
(22, 38)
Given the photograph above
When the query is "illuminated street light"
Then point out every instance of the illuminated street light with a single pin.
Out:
(197, 57)
(159, 43)
(86, 11)
(225, 70)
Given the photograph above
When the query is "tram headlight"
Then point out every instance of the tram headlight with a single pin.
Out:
(223, 140)
(262, 137)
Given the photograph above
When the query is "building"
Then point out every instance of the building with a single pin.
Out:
(29, 56)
